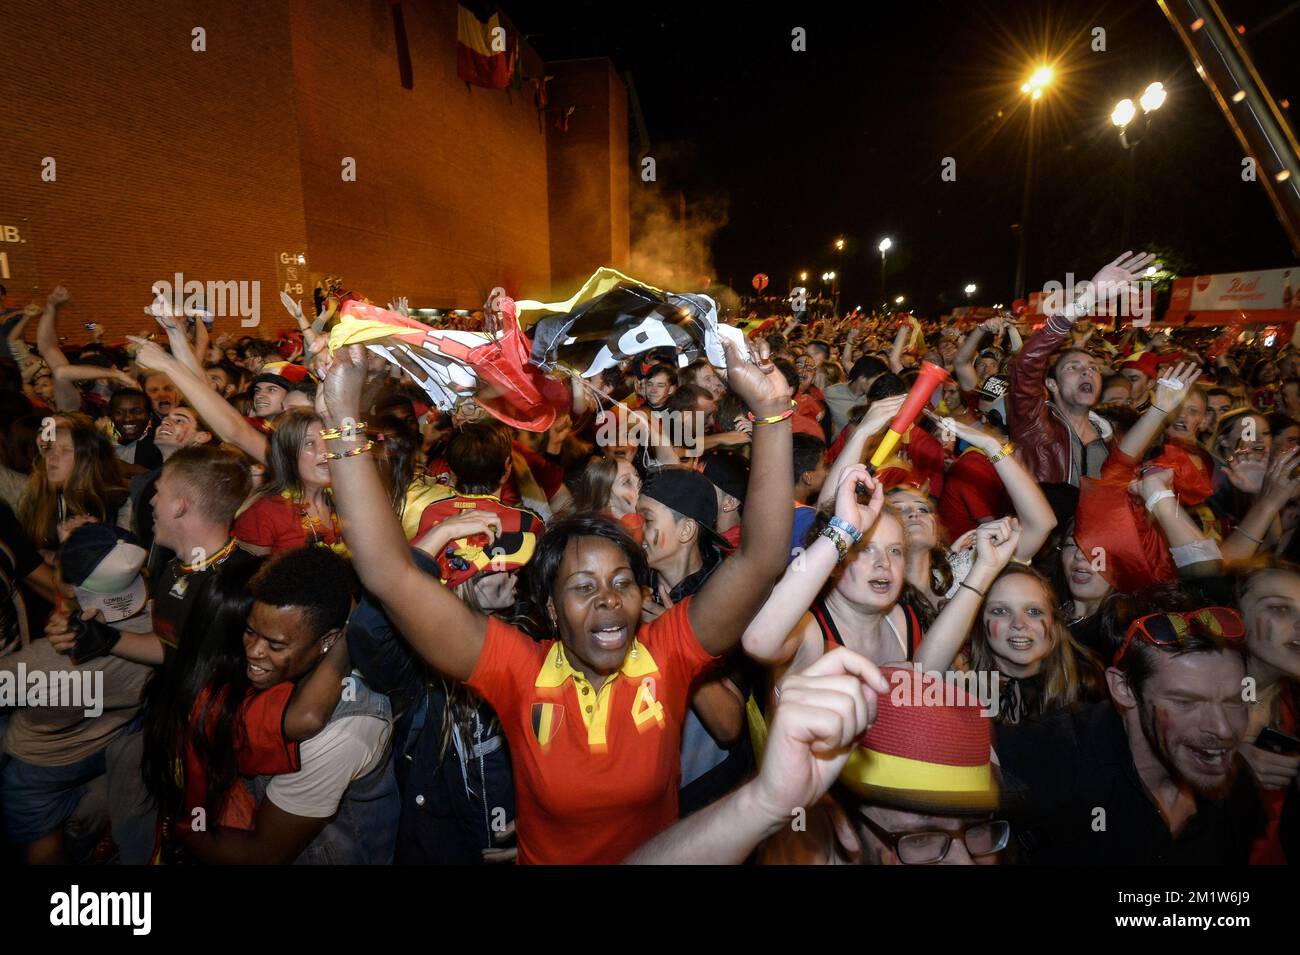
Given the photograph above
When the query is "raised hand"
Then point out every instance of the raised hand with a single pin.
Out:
(1280, 483)
(161, 312)
(821, 714)
(995, 542)
(150, 355)
(847, 508)
(972, 434)
(757, 380)
(1117, 281)
(1247, 467)
(880, 413)
(1151, 481)
(1173, 387)
(58, 297)
(339, 395)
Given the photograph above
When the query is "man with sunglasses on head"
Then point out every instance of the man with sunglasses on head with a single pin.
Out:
(1151, 777)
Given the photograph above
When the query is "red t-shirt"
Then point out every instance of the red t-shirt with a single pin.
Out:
(278, 523)
(261, 749)
(972, 492)
(592, 794)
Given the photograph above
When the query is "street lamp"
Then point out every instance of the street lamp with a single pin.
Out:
(969, 290)
(803, 276)
(899, 300)
(885, 245)
(839, 250)
(1033, 87)
(1132, 125)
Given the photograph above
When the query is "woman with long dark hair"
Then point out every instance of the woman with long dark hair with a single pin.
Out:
(76, 474)
(206, 725)
(293, 507)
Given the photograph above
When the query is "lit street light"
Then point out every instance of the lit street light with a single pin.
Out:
(1132, 125)
(839, 250)
(969, 290)
(885, 245)
(899, 300)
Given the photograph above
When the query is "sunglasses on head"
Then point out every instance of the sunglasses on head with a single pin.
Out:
(1173, 629)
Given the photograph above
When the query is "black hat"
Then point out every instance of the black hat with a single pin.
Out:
(689, 494)
(729, 472)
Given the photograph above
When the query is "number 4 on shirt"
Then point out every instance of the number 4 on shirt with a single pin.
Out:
(645, 707)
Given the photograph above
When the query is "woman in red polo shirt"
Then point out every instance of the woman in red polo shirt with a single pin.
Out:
(593, 711)
(293, 507)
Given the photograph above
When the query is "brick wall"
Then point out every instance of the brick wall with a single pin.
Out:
(215, 163)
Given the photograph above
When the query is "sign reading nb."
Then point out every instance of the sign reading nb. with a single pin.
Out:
(17, 255)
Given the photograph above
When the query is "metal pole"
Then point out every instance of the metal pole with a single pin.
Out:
(1129, 192)
(1023, 252)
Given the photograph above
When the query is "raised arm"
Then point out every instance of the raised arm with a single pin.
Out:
(437, 624)
(1171, 391)
(66, 396)
(822, 713)
(1037, 519)
(182, 351)
(995, 542)
(219, 415)
(964, 362)
(736, 590)
(900, 344)
(1280, 486)
(772, 637)
(873, 423)
(65, 373)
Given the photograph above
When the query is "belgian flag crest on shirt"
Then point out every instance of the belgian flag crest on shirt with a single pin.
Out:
(547, 718)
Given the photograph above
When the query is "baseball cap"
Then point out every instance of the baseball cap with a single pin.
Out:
(729, 472)
(280, 373)
(690, 494)
(103, 564)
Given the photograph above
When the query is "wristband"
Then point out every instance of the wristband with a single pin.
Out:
(1005, 451)
(1163, 411)
(843, 525)
(788, 413)
(1173, 384)
(836, 537)
(980, 593)
(1250, 537)
(1157, 497)
(336, 455)
(331, 434)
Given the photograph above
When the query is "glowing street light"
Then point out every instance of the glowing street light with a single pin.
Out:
(885, 245)
(1132, 125)
(839, 245)
(1038, 81)
(899, 300)
(1153, 97)
(1123, 113)
(970, 289)
(803, 276)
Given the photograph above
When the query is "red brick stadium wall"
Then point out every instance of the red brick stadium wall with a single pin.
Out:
(450, 194)
(218, 163)
(166, 159)
(588, 172)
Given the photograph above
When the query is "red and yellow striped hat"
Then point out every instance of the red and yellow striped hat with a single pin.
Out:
(929, 750)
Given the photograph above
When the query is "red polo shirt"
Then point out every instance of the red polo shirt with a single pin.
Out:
(596, 770)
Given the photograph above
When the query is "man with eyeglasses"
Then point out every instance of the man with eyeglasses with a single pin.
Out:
(1151, 777)
(907, 759)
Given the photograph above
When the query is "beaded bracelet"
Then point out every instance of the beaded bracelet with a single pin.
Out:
(334, 456)
(331, 434)
(837, 537)
(789, 413)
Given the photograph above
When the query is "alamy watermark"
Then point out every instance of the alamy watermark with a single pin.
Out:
(75, 689)
(242, 300)
(934, 688)
(681, 429)
(1118, 299)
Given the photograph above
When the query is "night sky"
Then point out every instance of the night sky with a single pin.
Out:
(847, 138)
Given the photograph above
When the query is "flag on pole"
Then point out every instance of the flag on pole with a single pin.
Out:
(485, 52)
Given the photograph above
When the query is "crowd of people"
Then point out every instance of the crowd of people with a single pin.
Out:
(1058, 623)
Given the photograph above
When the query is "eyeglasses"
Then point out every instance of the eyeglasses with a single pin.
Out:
(1173, 629)
(927, 847)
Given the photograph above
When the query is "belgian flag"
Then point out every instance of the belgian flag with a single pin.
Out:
(547, 718)
(485, 51)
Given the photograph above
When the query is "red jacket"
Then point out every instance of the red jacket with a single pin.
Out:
(1038, 429)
